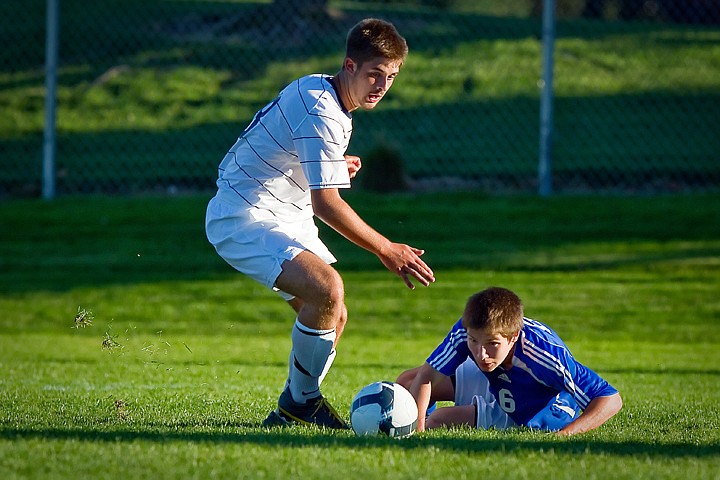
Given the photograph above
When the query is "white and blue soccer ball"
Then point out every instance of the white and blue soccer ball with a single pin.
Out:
(384, 408)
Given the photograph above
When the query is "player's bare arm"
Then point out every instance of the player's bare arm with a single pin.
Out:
(598, 411)
(422, 389)
(399, 258)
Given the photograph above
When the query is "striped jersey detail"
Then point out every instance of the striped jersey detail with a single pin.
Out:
(451, 352)
(294, 144)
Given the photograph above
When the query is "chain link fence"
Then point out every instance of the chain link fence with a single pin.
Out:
(151, 94)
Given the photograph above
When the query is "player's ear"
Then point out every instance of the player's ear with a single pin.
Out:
(515, 336)
(350, 65)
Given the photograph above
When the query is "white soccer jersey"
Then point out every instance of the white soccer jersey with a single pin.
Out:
(294, 144)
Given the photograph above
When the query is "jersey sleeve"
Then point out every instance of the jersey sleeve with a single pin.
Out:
(321, 143)
(587, 385)
(452, 352)
(557, 367)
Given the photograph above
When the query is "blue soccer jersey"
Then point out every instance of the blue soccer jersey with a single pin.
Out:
(542, 367)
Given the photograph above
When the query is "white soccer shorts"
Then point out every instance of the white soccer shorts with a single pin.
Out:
(473, 388)
(259, 248)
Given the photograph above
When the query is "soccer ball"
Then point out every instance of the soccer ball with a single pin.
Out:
(384, 408)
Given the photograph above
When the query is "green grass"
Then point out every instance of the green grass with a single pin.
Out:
(200, 352)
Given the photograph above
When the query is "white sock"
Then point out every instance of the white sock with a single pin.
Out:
(328, 364)
(325, 371)
(310, 359)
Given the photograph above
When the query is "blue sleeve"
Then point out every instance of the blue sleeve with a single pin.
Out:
(452, 352)
(553, 364)
(587, 385)
(561, 370)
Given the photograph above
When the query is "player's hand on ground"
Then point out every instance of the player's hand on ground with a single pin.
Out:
(405, 261)
(353, 164)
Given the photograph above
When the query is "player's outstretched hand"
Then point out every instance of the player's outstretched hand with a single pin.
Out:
(405, 261)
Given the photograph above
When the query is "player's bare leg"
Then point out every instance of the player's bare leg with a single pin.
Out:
(452, 417)
(321, 312)
(297, 303)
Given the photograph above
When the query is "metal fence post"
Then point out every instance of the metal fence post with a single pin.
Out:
(51, 62)
(546, 101)
(648, 129)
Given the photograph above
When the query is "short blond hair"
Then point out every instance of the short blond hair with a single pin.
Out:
(494, 310)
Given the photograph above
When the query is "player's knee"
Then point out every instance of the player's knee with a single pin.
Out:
(436, 419)
(331, 299)
(335, 295)
(462, 415)
(340, 327)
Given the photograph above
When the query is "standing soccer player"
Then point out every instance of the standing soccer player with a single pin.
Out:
(287, 167)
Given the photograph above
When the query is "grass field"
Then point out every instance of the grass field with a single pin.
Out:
(183, 358)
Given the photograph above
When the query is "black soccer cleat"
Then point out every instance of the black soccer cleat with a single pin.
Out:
(316, 411)
(275, 419)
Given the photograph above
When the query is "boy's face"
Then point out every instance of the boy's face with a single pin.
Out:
(491, 349)
(371, 80)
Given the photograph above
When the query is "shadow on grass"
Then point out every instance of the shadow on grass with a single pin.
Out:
(297, 438)
(101, 241)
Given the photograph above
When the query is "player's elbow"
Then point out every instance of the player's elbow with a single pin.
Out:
(616, 404)
(609, 407)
